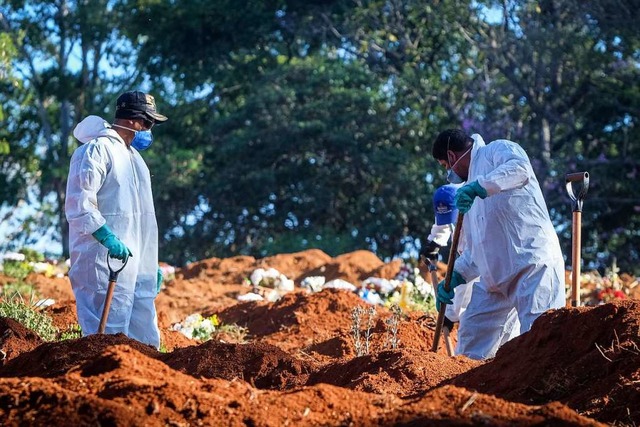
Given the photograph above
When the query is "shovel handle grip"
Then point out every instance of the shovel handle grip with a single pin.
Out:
(581, 178)
(577, 177)
(113, 274)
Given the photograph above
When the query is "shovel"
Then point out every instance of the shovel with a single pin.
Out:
(582, 179)
(447, 281)
(445, 329)
(113, 278)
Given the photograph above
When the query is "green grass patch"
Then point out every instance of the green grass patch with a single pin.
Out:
(15, 308)
(72, 332)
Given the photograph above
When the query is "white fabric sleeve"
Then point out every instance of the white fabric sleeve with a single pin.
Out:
(440, 234)
(512, 170)
(87, 173)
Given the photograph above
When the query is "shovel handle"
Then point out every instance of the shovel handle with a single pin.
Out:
(576, 227)
(433, 268)
(113, 277)
(581, 178)
(107, 306)
(113, 274)
(447, 281)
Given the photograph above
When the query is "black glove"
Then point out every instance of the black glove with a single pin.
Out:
(448, 323)
(430, 251)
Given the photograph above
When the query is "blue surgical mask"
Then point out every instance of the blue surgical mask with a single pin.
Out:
(142, 139)
(453, 177)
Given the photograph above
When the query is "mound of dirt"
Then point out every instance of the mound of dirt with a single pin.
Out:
(63, 314)
(588, 358)
(262, 365)
(406, 372)
(213, 284)
(300, 366)
(16, 339)
(319, 325)
(448, 405)
(354, 267)
(122, 386)
(55, 358)
(296, 266)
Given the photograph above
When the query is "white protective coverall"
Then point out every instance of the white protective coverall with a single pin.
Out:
(110, 183)
(511, 246)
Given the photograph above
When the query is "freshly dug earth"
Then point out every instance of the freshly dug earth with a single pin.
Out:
(297, 364)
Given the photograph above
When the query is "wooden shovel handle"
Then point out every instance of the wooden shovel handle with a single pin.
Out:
(447, 281)
(107, 306)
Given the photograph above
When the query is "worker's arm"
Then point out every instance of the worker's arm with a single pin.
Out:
(512, 170)
(87, 173)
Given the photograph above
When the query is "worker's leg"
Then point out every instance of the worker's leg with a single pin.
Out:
(486, 324)
(90, 303)
(540, 289)
(144, 322)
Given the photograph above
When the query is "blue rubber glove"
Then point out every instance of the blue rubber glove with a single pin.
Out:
(116, 248)
(160, 279)
(444, 297)
(467, 194)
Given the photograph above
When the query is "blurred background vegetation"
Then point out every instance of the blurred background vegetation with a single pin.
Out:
(308, 124)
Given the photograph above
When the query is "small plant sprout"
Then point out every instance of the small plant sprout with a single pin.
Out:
(371, 316)
(393, 324)
(360, 315)
(356, 324)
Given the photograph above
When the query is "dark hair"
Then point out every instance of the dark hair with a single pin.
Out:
(450, 139)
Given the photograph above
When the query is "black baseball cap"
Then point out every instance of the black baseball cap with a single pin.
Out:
(138, 105)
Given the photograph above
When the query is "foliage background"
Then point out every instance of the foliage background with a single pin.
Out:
(299, 124)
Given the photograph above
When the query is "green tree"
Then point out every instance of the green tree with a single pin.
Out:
(71, 61)
(300, 163)
(560, 83)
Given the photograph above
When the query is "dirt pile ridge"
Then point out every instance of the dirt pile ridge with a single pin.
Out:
(588, 358)
(405, 373)
(16, 339)
(262, 365)
(55, 358)
(122, 386)
(318, 325)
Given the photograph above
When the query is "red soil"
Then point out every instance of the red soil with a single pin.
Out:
(299, 367)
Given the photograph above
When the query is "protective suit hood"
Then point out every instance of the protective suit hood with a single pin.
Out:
(92, 127)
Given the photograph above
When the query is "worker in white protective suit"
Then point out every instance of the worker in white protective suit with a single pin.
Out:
(110, 210)
(510, 242)
(446, 215)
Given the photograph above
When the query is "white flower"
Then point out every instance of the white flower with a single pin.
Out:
(340, 284)
(207, 327)
(187, 332)
(313, 283)
(250, 297)
(14, 256)
(370, 296)
(284, 284)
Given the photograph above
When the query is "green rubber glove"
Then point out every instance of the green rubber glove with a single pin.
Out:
(444, 297)
(467, 194)
(116, 248)
(159, 279)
